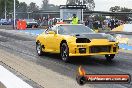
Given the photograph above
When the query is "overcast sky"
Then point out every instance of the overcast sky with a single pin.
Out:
(100, 5)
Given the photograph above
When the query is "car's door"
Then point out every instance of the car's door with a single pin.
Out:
(47, 40)
(55, 39)
(50, 39)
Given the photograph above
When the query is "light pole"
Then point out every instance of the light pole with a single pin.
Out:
(82, 12)
(28, 14)
(5, 8)
(14, 13)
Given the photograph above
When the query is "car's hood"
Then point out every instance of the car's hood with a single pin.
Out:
(90, 36)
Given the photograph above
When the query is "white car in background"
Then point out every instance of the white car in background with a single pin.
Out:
(31, 23)
(5, 22)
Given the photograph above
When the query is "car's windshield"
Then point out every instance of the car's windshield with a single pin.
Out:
(74, 29)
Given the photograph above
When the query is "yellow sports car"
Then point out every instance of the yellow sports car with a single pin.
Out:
(76, 40)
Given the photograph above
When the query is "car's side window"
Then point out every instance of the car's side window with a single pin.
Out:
(60, 30)
(47, 31)
(55, 29)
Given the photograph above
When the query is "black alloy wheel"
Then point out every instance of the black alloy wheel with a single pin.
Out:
(110, 57)
(39, 49)
(64, 52)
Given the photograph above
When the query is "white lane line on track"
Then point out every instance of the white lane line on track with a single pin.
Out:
(10, 80)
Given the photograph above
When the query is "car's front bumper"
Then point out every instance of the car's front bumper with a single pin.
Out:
(82, 49)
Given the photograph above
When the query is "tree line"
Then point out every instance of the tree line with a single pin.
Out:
(20, 7)
(23, 7)
(121, 9)
(46, 6)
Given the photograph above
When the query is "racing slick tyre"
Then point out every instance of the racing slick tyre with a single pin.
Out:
(64, 52)
(39, 49)
(110, 57)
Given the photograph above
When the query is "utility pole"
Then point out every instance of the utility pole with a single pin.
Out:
(5, 8)
(14, 14)
(82, 12)
(28, 13)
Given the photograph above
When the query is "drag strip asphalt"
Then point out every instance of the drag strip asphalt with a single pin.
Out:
(24, 46)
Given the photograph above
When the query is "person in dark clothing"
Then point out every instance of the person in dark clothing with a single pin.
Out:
(86, 23)
(90, 23)
(55, 20)
(95, 24)
(112, 24)
(116, 23)
(100, 24)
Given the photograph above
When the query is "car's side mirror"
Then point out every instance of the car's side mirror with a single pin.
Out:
(51, 32)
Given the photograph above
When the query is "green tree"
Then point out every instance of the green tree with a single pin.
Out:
(124, 9)
(33, 7)
(121, 9)
(45, 5)
(22, 7)
(115, 9)
(9, 7)
(49, 7)
(89, 3)
(1, 7)
(21, 10)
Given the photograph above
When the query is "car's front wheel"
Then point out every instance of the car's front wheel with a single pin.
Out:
(64, 52)
(39, 49)
(109, 57)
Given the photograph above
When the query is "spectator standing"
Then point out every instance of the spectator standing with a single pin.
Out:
(55, 21)
(95, 24)
(75, 19)
(112, 23)
(90, 25)
(116, 23)
(86, 23)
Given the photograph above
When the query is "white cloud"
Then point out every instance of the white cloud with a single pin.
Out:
(58, 2)
(104, 5)
(39, 2)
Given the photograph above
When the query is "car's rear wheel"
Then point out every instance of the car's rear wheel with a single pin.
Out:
(39, 49)
(64, 52)
(110, 57)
